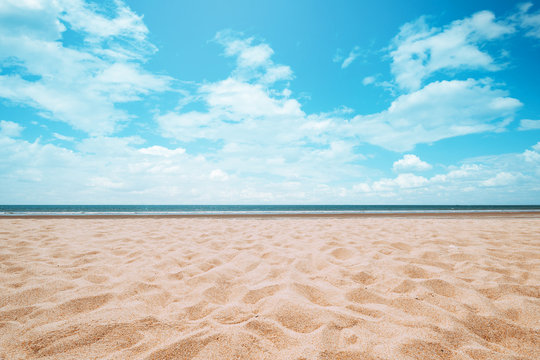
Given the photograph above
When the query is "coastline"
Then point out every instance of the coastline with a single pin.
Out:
(441, 214)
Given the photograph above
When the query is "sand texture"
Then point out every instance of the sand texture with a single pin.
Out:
(270, 288)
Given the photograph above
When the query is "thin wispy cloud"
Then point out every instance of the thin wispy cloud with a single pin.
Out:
(355, 52)
(530, 21)
(527, 124)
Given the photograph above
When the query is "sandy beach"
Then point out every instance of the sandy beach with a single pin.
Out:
(327, 287)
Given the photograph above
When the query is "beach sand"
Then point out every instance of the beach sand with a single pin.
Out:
(343, 287)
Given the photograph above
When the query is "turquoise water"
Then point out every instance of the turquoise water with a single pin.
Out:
(247, 209)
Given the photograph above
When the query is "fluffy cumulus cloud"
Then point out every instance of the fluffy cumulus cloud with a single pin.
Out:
(410, 163)
(80, 84)
(419, 50)
(440, 110)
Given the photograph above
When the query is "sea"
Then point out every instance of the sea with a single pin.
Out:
(88, 210)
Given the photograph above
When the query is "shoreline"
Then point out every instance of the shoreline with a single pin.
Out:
(440, 215)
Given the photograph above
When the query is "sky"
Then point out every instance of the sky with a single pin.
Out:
(269, 102)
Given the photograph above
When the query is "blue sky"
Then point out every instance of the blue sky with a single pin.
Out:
(273, 102)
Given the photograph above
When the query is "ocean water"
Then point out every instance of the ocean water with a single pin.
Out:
(6, 210)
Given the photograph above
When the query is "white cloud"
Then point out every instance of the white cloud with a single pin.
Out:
(10, 128)
(218, 174)
(246, 109)
(527, 124)
(362, 187)
(501, 179)
(105, 170)
(402, 181)
(410, 163)
(78, 85)
(253, 56)
(418, 50)
(389, 186)
(338, 56)
(440, 110)
(162, 151)
(532, 155)
(464, 171)
(102, 145)
(118, 170)
(247, 100)
(237, 111)
(253, 60)
(478, 180)
(337, 150)
(528, 21)
(125, 24)
(63, 137)
(187, 126)
(368, 80)
(406, 181)
(276, 73)
(355, 52)
(105, 183)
